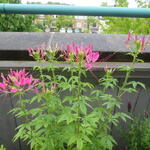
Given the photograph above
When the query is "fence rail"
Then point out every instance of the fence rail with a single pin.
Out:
(74, 10)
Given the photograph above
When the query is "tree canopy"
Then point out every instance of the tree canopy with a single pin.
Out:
(122, 25)
(64, 21)
(16, 22)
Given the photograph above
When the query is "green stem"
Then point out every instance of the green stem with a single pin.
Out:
(78, 109)
(53, 75)
(121, 92)
(41, 74)
(78, 98)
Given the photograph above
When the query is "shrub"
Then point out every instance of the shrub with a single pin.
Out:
(70, 122)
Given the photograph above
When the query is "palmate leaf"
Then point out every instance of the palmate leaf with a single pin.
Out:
(35, 111)
(125, 68)
(107, 97)
(106, 141)
(79, 140)
(61, 78)
(68, 118)
(69, 99)
(47, 77)
(108, 82)
(83, 108)
(35, 98)
(139, 60)
(97, 93)
(86, 84)
(79, 144)
(123, 116)
(15, 110)
(135, 84)
(112, 104)
(129, 90)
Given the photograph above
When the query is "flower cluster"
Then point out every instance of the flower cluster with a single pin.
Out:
(17, 81)
(135, 42)
(43, 53)
(75, 53)
(38, 54)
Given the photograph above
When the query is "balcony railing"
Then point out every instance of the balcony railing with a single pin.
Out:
(74, 10)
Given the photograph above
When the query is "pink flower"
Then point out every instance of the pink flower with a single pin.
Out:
(2, 87)
(138, 42)
(92, 57)
(17, 81)
(80, 53)
(13, 90)
(38, 54)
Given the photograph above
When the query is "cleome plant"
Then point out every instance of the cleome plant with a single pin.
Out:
(62, 116)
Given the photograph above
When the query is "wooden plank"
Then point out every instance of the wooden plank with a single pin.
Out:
(101, 42)
(8, 124)
(96, 66)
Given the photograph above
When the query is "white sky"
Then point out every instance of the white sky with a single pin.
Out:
(81, 2)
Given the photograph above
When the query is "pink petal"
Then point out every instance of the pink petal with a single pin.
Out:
(17, 83)
(3, 86)
(13, 90)
(142, 42)
(2, 76)
(36, 90)
(88, 66)
(88, 58)
(95, 56)
(92, 57)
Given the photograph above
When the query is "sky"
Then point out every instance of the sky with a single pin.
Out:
(81, 2)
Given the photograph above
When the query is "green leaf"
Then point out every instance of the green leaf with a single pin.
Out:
(83, 108)
(125, 68)
(141, 84)
(140, 60)
(129, 90)
(72, 140)
(79, 144)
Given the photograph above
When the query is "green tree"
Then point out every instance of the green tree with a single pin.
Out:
(48, 20)
(122, 25)
(16, 22)
(90, 21)
(64, 21)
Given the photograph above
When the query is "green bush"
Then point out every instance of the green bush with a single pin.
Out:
(138, 135)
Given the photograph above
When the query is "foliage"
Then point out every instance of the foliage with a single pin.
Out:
(48, 20)
(64, 21)
(69, 121)
(122, 25)
(2, 147)
(138, 135)
(91, 20)
(15, 22)
(39, 27)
